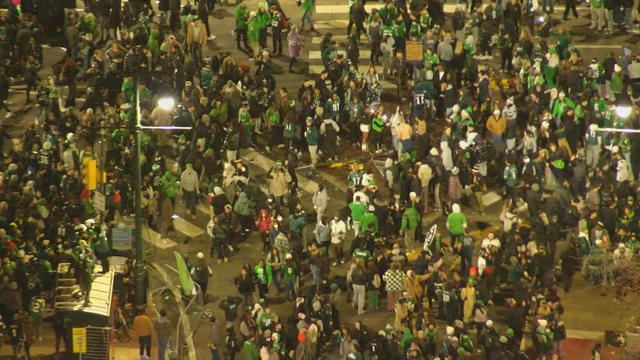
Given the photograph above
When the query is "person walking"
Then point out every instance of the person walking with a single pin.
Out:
(308, 7)
(143, 327)
(295, 44)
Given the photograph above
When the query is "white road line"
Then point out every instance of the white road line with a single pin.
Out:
(588, 46)
(187, 228)
(448, 8)
(317, 54)
(154, 238)
(338, 38)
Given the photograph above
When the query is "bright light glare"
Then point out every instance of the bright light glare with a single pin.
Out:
(623, 112)
(167, 103)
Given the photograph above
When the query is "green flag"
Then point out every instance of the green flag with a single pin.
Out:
(185, 277)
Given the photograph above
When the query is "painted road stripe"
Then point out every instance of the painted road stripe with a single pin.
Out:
(263, 162)
(331, 24)
(317, 69)
(317, 54)
(338, 38)
(448, 8)
(153, 238)
(588, 46)
(187, 228)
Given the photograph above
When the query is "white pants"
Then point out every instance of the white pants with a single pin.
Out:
(313, 153)
(358, 297)
(598, 18)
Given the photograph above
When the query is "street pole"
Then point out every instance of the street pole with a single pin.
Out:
(139, 244)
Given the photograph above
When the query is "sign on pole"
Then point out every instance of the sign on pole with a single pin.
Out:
(99, 202)
(415, 52)
(121, 238)
(79, 336)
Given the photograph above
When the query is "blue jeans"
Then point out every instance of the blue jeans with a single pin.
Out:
(215, 354)
(277, 278)
(315, 271)
(163, 343)
(190, 201)
(290, 290)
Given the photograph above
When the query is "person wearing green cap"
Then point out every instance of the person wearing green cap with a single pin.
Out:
(190, 186)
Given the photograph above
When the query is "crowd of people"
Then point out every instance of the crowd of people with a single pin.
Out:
(529, 128)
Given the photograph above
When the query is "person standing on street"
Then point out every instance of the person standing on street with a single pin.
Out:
(201, 274)
(214, 339)
(190, 189)
(143, 327)
(163, 331)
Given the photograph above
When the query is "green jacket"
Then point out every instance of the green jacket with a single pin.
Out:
(312, 136)
(289, 272)
(240, 14)
(357, 210)
(307, 5)
(410, 219)
(243, 205)
(250, 351)
(264, 19)
(263, 274)
(369, 218)
(253, 32)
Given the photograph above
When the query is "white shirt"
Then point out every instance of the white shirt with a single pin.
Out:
(338, 230)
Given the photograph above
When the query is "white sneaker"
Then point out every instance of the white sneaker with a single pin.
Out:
(8, 115)
(212, 37)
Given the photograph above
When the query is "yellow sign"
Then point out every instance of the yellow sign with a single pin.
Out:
(414, 51)
(79, 336)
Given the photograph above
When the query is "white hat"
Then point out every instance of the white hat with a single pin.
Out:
(70, 136)
(450, 330)
(615, 149)
(455, 170)
(455, 208)
(288, 256)
(617, 68)
(542, 322)
(456, 108)
(489, 323)
(200, 255)
(434, 151)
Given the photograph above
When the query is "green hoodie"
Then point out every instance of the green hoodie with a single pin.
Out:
(240, 15)
(410, 219)
(253, 33)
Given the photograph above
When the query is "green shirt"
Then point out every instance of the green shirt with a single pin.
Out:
(369, 218)
(357, 210)
(456, 222)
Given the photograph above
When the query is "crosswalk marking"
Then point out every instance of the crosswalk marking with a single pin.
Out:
(317, 54)
(338, 38)
(154, 238)
(589, 46)
(448, 8)
(187, 228)
(344, 9)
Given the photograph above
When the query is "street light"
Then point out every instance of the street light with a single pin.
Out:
(167, 103)
(623, 105)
